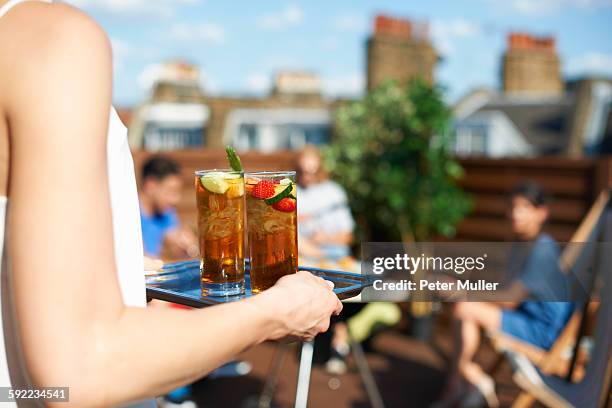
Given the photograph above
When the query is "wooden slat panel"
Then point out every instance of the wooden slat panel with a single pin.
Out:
(501, 180)
(562, 209)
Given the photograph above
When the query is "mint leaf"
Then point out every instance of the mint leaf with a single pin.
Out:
(233, 159)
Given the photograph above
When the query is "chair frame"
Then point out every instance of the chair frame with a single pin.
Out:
(552, 361)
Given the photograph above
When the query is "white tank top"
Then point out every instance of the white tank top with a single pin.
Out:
(127, 243)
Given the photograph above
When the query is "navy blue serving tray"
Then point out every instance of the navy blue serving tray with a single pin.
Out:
(179, 282)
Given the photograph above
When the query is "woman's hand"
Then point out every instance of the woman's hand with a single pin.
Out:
(301, 305)
(152, 264)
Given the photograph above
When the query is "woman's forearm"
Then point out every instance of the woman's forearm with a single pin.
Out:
(147, 352)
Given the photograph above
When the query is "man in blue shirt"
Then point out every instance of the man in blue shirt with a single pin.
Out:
(535, 315)
(160, 192)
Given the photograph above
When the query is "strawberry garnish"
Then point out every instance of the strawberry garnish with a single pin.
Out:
(263, 189)
(285, 205)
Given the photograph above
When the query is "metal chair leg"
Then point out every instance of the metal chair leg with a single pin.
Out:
(366, 375)
(301, 394)
(267, 393)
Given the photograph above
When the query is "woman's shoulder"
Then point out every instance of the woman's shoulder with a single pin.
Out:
(545, 238)
(331, 185)
(545, 246)
(48, 45)
(44, 27)
(334, 189)
(331, 191)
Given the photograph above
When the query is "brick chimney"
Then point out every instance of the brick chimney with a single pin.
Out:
(531, 64)
(399, 49)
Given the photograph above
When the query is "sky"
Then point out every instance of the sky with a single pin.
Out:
(239, 45)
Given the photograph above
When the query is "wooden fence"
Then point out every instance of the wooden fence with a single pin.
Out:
(573, 183)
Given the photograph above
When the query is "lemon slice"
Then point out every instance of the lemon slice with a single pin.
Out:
(235, 190)
(214, 183)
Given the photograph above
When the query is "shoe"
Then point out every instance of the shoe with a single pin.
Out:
(164, 403)
(336, 365)
(232, 369)
(179, 395)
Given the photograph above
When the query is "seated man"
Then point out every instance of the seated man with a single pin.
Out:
(161, 190)
(526, 318)
(162, 236)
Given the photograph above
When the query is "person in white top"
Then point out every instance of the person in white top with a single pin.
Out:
(72, 289)
(325, 223)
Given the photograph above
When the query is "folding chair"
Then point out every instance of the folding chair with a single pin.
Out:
(594, 389)
(574, 259)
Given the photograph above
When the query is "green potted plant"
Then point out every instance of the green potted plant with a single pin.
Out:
(391, 152)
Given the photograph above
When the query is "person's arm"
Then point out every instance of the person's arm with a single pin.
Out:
(73, 326)
(179, 242)
(338, 238)
(307, 248)
(514, 295)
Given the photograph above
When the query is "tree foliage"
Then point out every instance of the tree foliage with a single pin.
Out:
(391, 153)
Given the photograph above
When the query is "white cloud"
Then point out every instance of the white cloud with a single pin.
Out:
(446, 32)
(133, 7)
(280, 62)
(591, 63)
(290, 16)
(350, 85)
(549, 7)
(350, 23)
(257, 82)
(149, 75)
(209, 32)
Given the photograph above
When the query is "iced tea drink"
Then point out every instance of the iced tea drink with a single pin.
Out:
(221, 213)
(271, 227)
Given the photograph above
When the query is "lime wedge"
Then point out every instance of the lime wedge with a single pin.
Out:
(214, 183)
(284, 193)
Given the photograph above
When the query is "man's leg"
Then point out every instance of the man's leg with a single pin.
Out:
(471, 317)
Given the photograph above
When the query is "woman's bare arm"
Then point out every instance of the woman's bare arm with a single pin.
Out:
(74, 328)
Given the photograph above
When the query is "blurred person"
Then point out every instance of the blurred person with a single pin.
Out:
(325, 223)
(161, 191)
(325, 233)
(72, 285)
(527, 316)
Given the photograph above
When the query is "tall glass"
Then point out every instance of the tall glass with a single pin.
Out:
(220, 200)
(271, 226)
